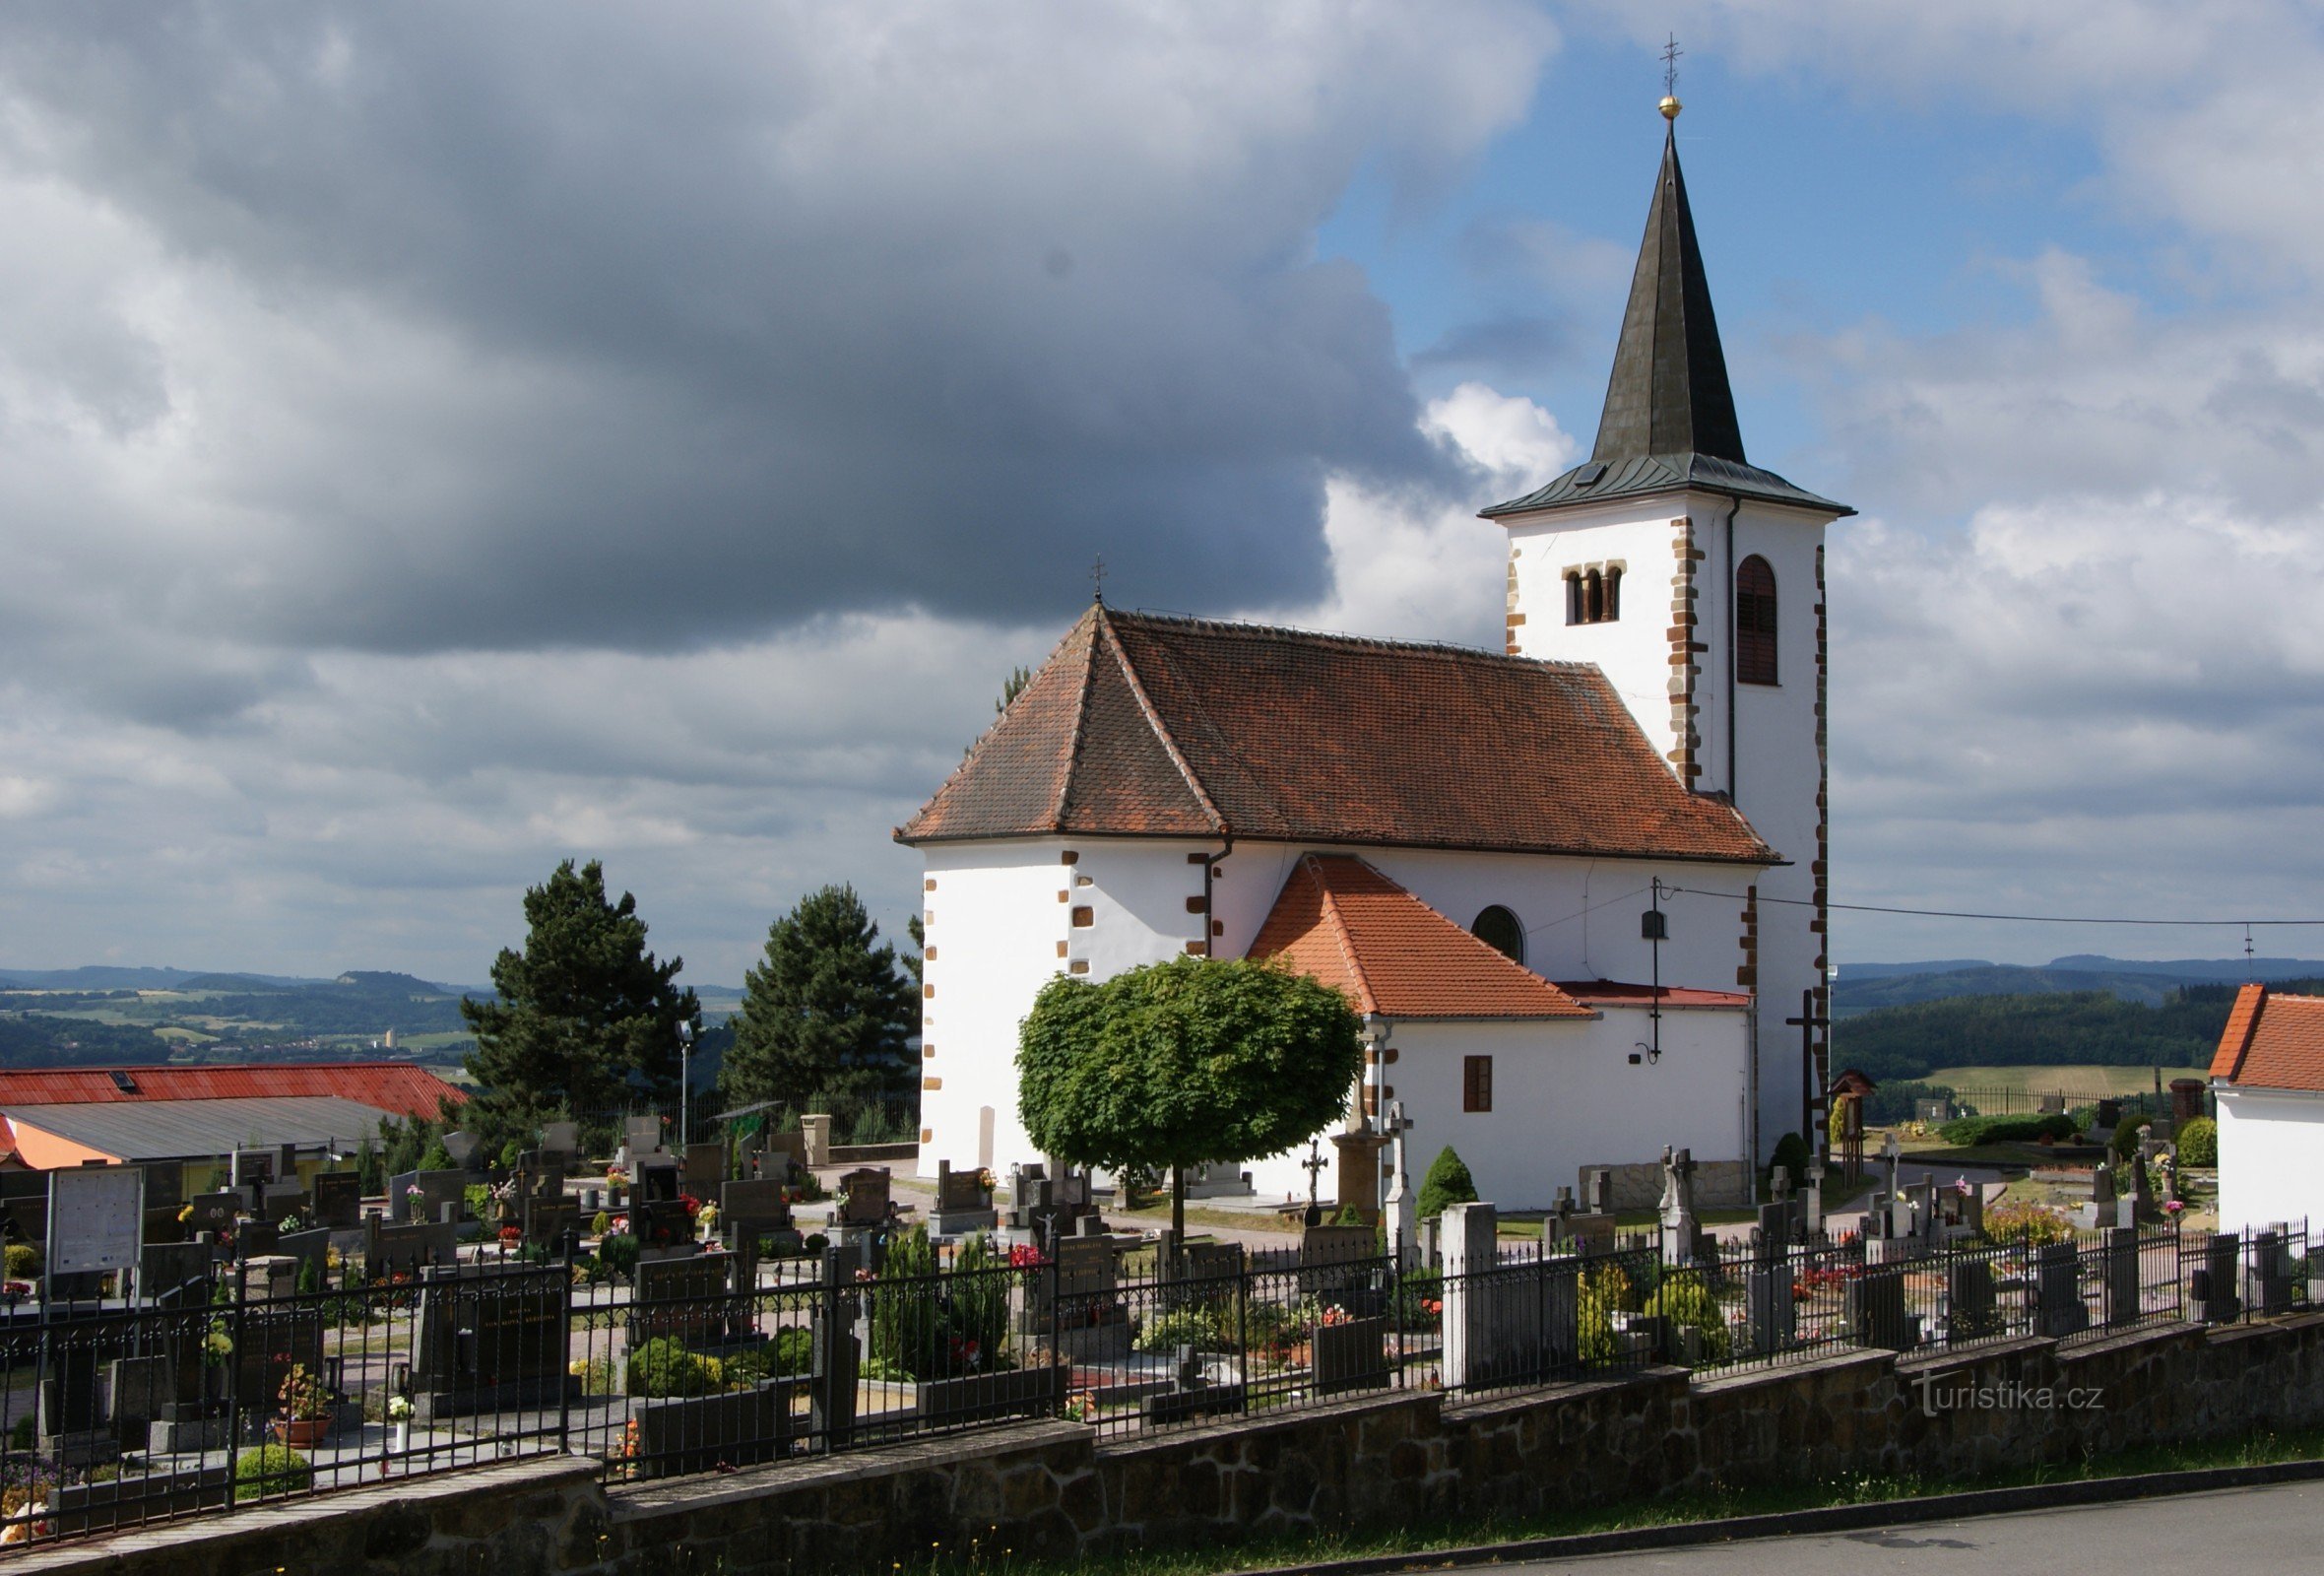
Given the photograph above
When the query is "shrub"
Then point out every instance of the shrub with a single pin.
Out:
(2015, 1220)
(619, 1253)
(2198, 1142)
(980, 1302)
(1605, 1291)
(1196, 1327)
(663, 1367)
(1683, 1298)
(1447, 1183)
(1966, 1132)
(1791, 1155)
(436, 1158)
(906, 1318)
(601, 1223)
(815, 1243)
(23, 1261)
(271, 1470)
(2124, 1145)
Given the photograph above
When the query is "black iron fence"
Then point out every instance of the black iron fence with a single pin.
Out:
(225, 1392)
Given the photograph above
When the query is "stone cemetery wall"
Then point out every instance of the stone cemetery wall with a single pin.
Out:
(1046, 1490)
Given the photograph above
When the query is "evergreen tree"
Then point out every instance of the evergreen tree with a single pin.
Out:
(584, 1018)
(1447, 1183)
(825, 1013)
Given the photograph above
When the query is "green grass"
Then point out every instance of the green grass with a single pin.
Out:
(2076, 1079)
(1421, 1540)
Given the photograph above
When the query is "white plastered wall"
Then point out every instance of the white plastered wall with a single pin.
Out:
(2271, 1158)
(1774, 767)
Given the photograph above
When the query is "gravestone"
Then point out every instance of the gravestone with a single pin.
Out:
(752, 1209)
(249, 1170)
(1501, 1325)
(561, 1140)
(1876, 1312)
(1681, 1229)
(392, 1250)
(702, 1169)
(339, 1201)
(641, 1138)
(1972, 1310)
(279, 1200)
(489, 1340)
(313, 1243)
(1813, 1201)
(2058, 1308)
(1335, 1265)
(546, 1220)
(1772, 1314)
(2212, 1285)
(2267, 1278)
(167, 1266)
(467, 1150)
(2053, 1105)
(213, 1213)
(864, 1199)
(1218, 1179)
(656, 1181)
(424, 1196)
(1092, 1323)
(685, 1300)
(964, 1203)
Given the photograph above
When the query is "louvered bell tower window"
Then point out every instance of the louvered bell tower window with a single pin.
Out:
(1755, 622)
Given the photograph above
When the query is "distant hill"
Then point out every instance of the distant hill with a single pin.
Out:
(1864, 987)
(91, 979)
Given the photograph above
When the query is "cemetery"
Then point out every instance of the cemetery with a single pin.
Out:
(685, 1312)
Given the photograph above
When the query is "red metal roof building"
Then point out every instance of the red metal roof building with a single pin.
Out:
(396, 1087)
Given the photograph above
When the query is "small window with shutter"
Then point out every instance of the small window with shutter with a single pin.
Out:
(1476, 1083)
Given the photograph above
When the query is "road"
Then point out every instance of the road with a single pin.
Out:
(2243, 1530)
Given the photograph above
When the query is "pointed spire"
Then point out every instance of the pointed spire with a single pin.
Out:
(1670, 392)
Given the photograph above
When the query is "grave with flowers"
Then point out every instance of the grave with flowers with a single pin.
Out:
(964, 1202)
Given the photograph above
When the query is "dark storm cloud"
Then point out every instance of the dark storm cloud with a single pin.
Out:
(664, 324)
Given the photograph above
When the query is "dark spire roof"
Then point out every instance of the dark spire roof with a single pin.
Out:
(1670, 392)
(1669, 421)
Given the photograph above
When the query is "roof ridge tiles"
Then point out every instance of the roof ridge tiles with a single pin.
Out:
(1244, 628)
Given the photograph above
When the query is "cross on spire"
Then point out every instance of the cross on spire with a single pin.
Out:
(1670, 53)
(1097, 579)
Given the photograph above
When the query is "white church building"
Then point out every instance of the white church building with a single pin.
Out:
(1576, 888)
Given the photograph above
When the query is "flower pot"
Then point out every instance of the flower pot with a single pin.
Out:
(399, 1436)
(306, 1432)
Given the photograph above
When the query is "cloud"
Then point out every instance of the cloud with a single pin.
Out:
(566, 325)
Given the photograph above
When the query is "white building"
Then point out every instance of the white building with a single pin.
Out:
(2269, 1078)
(1465, 843)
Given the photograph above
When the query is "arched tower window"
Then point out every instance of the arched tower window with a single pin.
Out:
(1501, 929)
(1755, 622)
(1594, 597)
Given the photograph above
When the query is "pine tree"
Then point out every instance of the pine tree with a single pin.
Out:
(825, 1013)
(585, 1019)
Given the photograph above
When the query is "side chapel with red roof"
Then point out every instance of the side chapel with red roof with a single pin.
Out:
(1576, 888)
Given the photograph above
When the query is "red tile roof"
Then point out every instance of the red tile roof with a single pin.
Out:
(1614, 993)
(2272, 1041)
(1139, 725)
(396, 1086)
(1343, 922)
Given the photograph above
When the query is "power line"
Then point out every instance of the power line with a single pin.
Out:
(2024, 919)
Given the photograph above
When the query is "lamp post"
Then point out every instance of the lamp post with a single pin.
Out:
(685, 1082)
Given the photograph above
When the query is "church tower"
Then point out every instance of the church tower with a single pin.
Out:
(1695, 582)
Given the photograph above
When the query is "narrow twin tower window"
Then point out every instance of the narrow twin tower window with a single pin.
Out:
(1594, 595)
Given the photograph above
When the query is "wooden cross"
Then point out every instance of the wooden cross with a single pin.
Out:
(1811, 1086)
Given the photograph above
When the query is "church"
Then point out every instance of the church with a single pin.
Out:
(1576, 888)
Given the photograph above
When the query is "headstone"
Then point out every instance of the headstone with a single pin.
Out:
(2058, 1309)
(1876, 1312)
(339, 1200)
(964, 1202)
(2110, 1115)
(1680, 1227)
(1814, 1199)
(489, 1340)
(1215, 1179)
(2118, 1275)
(1501, 1325)
(280, 1200)
(421, 1196)
(686, 1301)
(2267, 1280)
(1971, 1309)
(561, 1139)
(2214, 1284)
(2141, 1185)
(1092, 1323)
(212, 1212)
(641, 1136)
(251, 1169)
(702, 1169)
(751, 1208)
(392, 1250)
(174, 1266)
(864, 1199)
(313, 1243)
(1597, 1190)
(1403, 1203)
(2053, 1105)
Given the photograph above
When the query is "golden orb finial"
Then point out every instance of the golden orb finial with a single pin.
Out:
(1671, 107)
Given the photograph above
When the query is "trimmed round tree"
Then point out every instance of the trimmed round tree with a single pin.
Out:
(1185, 1063)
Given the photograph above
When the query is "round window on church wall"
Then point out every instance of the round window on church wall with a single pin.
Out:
(1498, 929)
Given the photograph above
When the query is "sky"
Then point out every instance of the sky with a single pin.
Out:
(439, 440)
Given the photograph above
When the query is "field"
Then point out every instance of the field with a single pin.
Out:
(2084, 1080)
